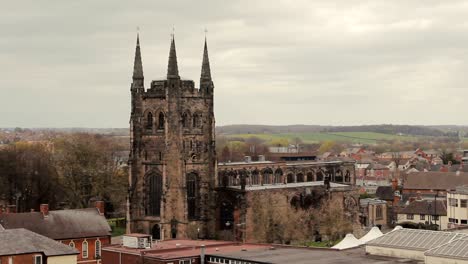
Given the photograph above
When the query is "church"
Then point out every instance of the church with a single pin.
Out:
(176, 187)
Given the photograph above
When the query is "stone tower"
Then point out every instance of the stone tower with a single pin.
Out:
(172, 159)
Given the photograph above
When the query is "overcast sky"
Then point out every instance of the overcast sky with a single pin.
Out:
(69, 63)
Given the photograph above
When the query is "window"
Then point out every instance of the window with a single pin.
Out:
(84, 249)
(451, 220)
(72, 244)
(154, 190)
(149, 121)
(379, 212)
(185, 120)
(410, 216)
(196, 120)
(38, 259)
(422, 217)
(192, 191)
(185, 261)
(453, 202)
(98, 249)
(290, 178)
(161, 121)
(463, 221)
(435, 217)
(463, 203)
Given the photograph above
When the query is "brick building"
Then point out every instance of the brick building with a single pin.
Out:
(21, 246)
(84, 229)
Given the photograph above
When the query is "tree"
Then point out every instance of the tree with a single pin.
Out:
(89, 169)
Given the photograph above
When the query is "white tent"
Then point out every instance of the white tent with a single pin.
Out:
(350, 241)
(372, 234)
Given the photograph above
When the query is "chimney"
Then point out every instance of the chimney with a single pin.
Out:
(100, 207)
(202, 254)
(44, 209)
(11, 209)
(261, 157)
(247, 159)
(396, 199)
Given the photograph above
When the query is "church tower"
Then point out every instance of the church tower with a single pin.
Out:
(172, 158)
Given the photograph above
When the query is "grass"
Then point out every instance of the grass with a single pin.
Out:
(316, 137)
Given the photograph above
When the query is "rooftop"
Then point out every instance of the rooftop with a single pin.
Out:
(435, 180)
(22, 241)
(454, 249)
(291, 185)
(414, 239)
(60, 224)
(425, 207)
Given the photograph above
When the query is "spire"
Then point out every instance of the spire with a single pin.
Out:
(172, 69)
(137, 65)
(205, 71)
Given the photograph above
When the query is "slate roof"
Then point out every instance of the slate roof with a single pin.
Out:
(425, 207)
(22, 241)
(385, 193)
(435, 180)
(60, 224)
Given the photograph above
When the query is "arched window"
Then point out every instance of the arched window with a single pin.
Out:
(319, 175)
(267, 173)
(154, 189)
(290, 178)
(278, 175)
(227, 216)
(338, 176)
(72, 244)
(156, 232)
(161, 121)
(192, 193)
(84, 249)
(196, 121)
(185, 121)
(97, 249)
(310, 176)
(378, 212)
(149, 121)
(255, 180)
(300, 177)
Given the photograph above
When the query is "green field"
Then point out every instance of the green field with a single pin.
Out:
(315, 137)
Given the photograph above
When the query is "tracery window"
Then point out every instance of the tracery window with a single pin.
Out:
(161, 121)
(149, 121)
(154, 190)
(192, 193)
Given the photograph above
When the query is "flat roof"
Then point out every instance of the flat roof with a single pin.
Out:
(457, 249)
(307, 256)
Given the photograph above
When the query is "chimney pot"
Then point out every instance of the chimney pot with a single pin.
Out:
(44, 208)
(100, 206)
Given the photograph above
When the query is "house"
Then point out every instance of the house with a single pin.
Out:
(373, 212)
(425, 213)
(84, 229)
(432, 182)
(457, 207)
(21, 246)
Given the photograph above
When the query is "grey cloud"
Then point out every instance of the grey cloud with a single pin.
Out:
(314, 62)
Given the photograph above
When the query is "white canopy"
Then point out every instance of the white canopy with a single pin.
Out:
(372, 234)
(350, 241)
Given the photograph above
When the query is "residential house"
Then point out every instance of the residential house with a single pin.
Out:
(21, 246)
(433, 183)
(457, 207)
(424, 213)
(84, 229)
